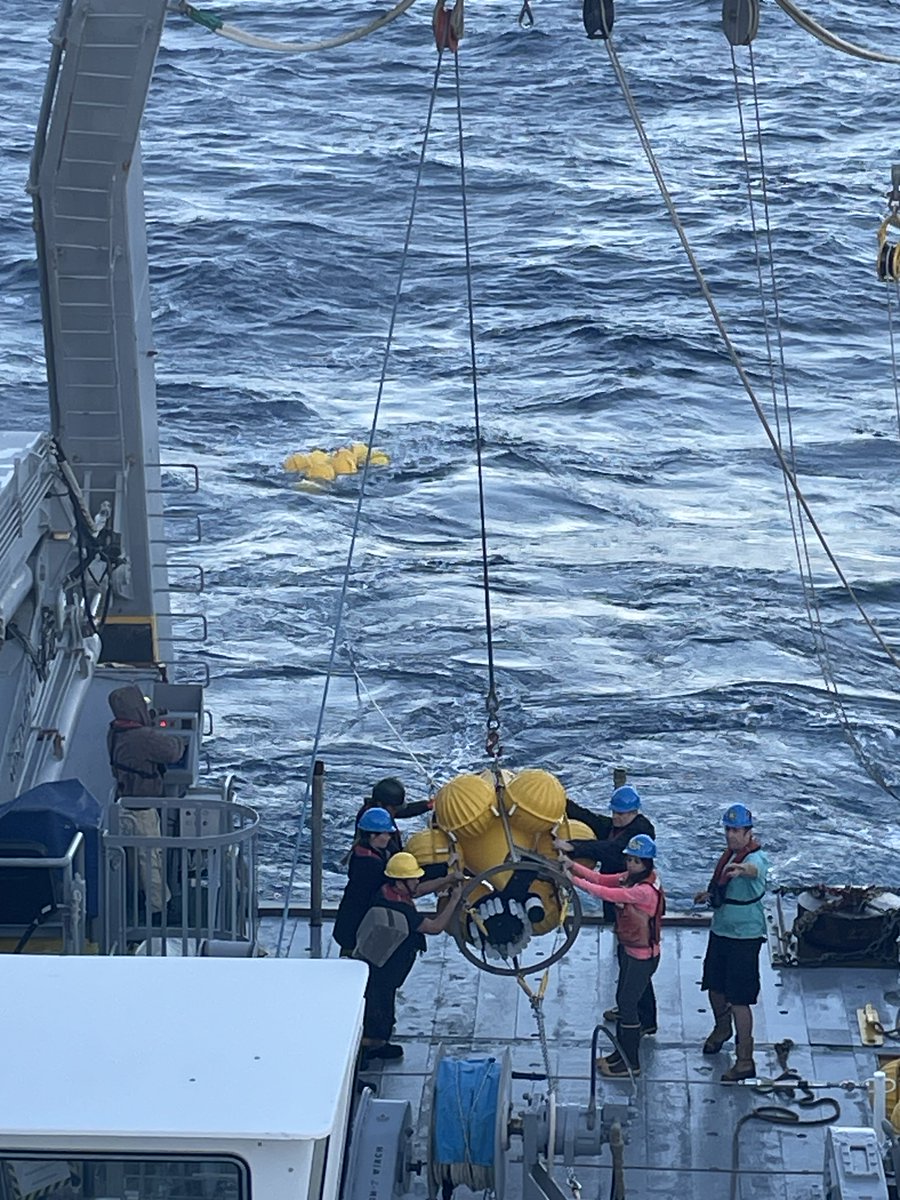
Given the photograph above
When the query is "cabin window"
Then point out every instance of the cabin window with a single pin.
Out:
(121, 1177)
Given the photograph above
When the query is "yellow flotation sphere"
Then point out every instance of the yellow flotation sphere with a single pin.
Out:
(320, 470)
(567, 831)
(344, 462)
(359, 450)
(465, 806)
(432, 846)
(505, 776)
(296, 462)
(535, 801)
(379, 458)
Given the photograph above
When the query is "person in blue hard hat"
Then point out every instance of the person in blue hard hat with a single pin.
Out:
(639, 903)
(614, 832)
(365, 875)
(731, 967)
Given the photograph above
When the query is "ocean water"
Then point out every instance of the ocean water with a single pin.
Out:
(647, 608)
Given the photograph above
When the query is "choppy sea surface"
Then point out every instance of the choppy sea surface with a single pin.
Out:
(646, 601)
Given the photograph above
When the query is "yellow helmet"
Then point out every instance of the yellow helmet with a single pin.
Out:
(403, 866)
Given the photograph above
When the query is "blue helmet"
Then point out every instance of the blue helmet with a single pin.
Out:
(625, 799)
(641, 846)
(376, 820)
(737, 817)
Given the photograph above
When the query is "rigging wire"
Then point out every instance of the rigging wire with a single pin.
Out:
(798, 528)
(805, 21)
(890, 313)
(215, 24)
(493, 746)
(404, 744)
(364, 474)
(732, 351)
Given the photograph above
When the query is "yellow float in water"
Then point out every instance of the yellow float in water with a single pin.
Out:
(325, 465)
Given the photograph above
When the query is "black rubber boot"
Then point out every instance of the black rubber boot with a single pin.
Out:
(616, 1067)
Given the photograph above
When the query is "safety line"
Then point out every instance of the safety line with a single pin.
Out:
(358, 512)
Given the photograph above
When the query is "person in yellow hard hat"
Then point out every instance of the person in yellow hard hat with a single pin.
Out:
(402, 878)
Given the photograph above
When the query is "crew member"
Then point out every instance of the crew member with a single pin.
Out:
(402, 875)
(614, 832)
(138, 755)
(738, 930)
(639, 904)
(390, 794)
(365, 872)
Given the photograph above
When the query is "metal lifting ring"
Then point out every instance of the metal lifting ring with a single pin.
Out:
(537, 868)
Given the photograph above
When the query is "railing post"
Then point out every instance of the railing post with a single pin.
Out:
(315, 882)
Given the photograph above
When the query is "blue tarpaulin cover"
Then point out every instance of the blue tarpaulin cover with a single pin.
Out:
(72, 807)
(466, 1110)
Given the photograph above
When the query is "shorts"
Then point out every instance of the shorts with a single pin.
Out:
(731, 967)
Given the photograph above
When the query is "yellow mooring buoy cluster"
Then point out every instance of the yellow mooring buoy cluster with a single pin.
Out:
(322, 466)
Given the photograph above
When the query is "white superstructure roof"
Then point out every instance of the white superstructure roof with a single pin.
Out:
(177, 1047)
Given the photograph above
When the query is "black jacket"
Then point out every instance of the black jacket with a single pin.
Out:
(608, 849)
(365, 880)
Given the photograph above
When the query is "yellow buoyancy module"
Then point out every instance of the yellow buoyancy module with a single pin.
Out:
(513, 905)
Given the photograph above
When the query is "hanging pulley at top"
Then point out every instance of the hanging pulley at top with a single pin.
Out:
(888, 261)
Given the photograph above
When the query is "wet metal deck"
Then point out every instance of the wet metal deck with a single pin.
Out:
(682, 1137)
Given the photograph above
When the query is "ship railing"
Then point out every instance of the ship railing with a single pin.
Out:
(179, 874)
(42, 896)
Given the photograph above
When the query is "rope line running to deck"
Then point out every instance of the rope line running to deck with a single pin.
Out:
(216, 25)
(404, 744)
(820, 638)
(358, 511)
(805, 21)
(731, 350)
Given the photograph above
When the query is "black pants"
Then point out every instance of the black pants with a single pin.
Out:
(380, 1012)
(381, 1007)
(635, 997)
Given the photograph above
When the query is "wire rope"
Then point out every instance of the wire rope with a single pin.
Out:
(805, 21)
(890, 312)
(798, 528)
(732, 351)
(216, 25)
(364, 474)
(492, 703)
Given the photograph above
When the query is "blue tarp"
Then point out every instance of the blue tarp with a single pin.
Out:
(48, 815)
(465, 1118)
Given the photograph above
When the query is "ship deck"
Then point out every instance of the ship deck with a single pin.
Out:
(687, 1138)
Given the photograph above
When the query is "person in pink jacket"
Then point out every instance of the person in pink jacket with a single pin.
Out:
(640, 903)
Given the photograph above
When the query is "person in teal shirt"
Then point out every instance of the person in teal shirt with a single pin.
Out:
(738, 930)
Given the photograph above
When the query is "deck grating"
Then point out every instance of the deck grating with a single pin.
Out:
(681, 1137)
